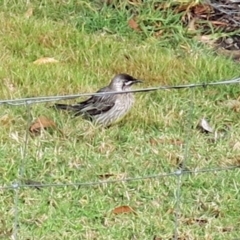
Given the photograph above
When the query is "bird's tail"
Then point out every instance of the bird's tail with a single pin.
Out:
(64, 107)
(76, 109)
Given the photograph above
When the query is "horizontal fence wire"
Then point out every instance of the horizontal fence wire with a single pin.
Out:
(33, 100)
(179, 173)
(86, 184)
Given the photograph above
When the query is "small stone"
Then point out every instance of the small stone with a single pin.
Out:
(229, 41)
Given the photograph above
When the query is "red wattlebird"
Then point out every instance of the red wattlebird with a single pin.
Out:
(108, 108)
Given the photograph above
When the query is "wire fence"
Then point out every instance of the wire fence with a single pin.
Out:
(19, 184)
(25, 101)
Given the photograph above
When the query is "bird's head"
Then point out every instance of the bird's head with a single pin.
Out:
(123, 81)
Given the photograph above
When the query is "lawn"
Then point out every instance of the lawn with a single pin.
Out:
(84, 171)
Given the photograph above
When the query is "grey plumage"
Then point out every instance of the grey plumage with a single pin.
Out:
(108, 108)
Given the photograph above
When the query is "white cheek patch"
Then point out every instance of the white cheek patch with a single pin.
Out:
(128, 83)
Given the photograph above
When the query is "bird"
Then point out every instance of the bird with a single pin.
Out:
(106, 109)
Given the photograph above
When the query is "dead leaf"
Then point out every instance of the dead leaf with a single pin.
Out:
(45, 60)
(123, 209)
(41, 123)
(29, 13)
(204, 126)
(133, 24)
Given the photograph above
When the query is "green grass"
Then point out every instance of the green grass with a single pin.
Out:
(152, 139)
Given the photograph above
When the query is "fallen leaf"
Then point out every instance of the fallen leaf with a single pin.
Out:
(29, 13)
(45, 60)
(123, 209)
(133, 24)
(204, 126)
(41, 123)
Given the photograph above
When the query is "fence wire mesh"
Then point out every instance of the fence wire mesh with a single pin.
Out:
(18, 184)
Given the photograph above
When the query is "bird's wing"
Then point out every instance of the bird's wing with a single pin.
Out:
(96, 104)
